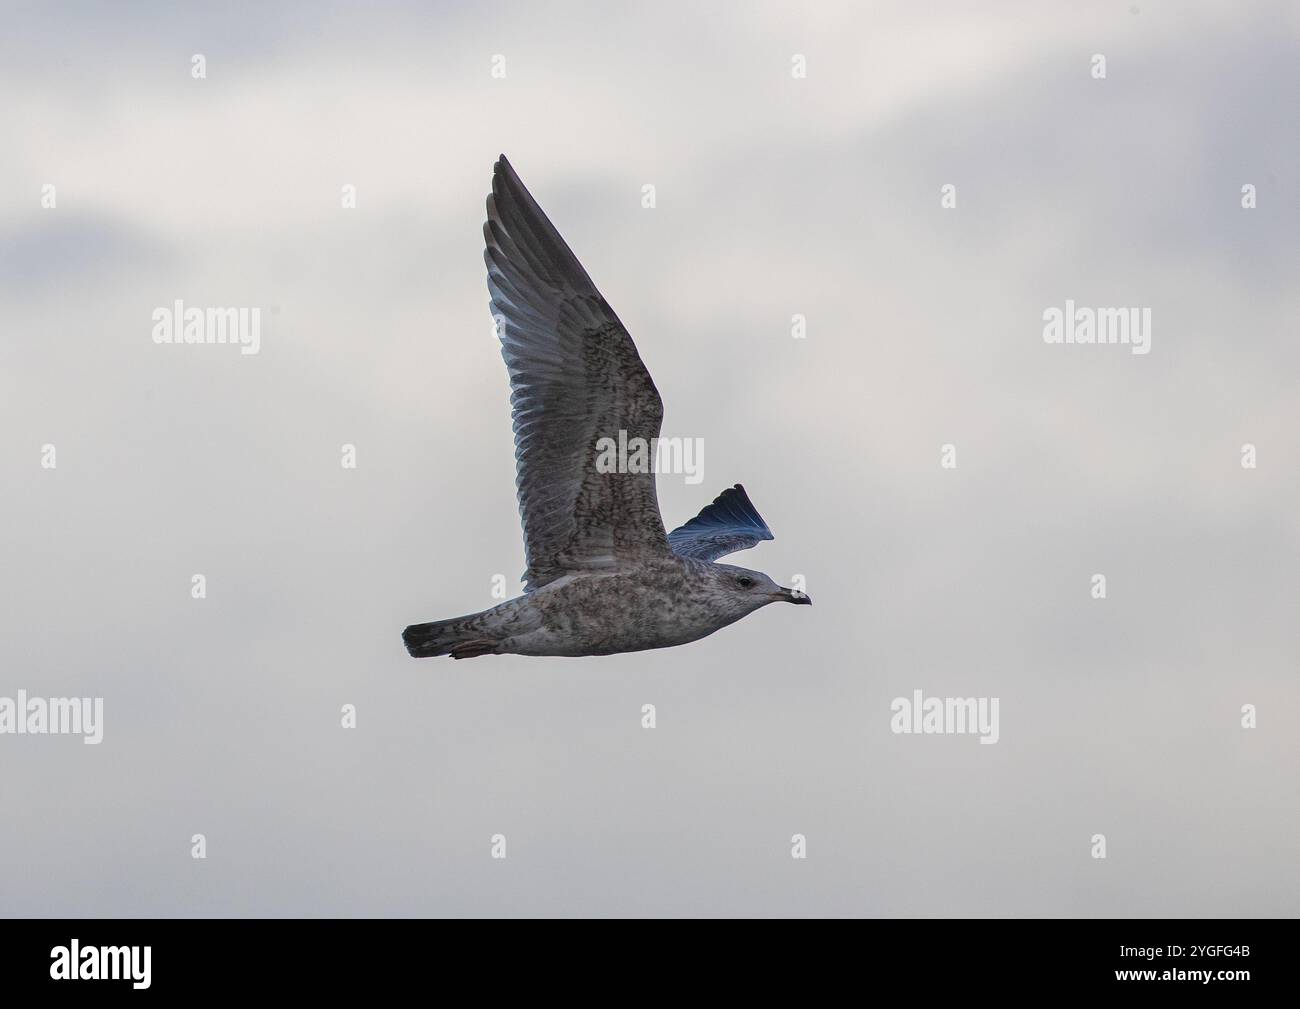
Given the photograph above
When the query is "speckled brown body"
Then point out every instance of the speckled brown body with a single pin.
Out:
(667, 602)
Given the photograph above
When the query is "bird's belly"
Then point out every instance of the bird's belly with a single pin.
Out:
(609, 615)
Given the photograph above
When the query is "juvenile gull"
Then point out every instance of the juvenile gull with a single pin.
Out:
(603, 577)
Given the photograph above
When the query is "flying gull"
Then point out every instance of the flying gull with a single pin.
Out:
(603, 576)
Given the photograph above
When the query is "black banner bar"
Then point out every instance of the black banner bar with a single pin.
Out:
(182, 957)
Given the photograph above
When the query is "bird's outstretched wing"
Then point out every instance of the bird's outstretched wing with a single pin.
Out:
(731, 523)
(576, 379)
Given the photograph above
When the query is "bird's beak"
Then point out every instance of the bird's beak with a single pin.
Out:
(796, 597)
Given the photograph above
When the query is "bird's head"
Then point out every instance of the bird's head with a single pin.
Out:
(743, 591)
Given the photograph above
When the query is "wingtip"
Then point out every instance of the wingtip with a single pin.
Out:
(748, 505)
(735, 499)
(735, 489)
(505, 180)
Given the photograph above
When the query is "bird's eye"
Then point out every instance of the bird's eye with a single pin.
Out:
(745, 582)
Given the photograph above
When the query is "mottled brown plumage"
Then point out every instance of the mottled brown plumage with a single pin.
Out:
(602, 574)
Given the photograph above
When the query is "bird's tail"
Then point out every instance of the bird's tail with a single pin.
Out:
(460, 637)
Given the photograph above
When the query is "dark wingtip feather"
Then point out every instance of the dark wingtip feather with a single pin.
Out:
(732, 509)
(534, 255)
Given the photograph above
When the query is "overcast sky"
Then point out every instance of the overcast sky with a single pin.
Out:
(776, 196)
